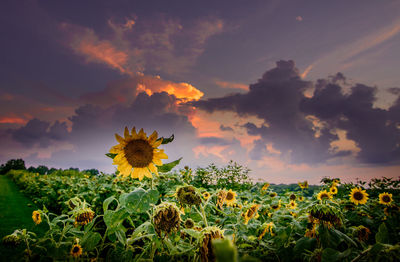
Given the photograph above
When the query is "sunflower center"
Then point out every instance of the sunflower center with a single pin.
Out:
(139, 153)
(386, 199)
(229, 196)
(75, 250)
(275, 206)
(324, 196)
(358, 196)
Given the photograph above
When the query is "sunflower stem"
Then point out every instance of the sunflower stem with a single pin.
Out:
(202, 214)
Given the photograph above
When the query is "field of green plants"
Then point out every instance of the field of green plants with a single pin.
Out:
(206, 214)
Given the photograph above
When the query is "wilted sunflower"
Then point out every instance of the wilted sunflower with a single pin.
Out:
(333, 190)
(363, 233)
(230, 198)
(84, 216)
(292, 204)
(76, 250)
(267, 228)
(206, 248)
(206, 195)
(265, 187)
(311, 231)
(250, 213)
(166, 218)
(187, 195)
(221, 196)
(324, 195)
(139, 152)
(36, 217)
(385, 199)
(189, 223)
(303, 185)
(358, 196)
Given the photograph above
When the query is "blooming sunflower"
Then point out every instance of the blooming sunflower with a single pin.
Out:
(303, 185)
(292, 204)
(385, 199)
(230, 198)
(358, 196)
(333, 190)
(276, 207)
(301, 198)
(273, 194)
(206, 195)
(324, 195)
(76, 250)
(139, 152)
(36, 217)
(265, 187)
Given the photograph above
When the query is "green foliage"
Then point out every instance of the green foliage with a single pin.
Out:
(12, 164)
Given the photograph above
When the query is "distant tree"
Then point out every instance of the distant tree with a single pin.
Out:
(42, 170)
(52, 170)
(12, 164)
(74, 169)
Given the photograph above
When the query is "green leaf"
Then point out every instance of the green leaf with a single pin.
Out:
(168, 166)
(166, 140)
(383, 235)
(107, 202)
(332, 255)
(139, 200)
(192, 232)
(110, 155)
(90, 240)
(120, 233)
(114, 219)
(304, 244)
(224, 250)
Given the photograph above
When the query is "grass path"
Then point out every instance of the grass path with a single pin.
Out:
(15, 213)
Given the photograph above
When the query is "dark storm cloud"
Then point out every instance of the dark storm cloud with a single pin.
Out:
(214, 141)
(40, 132)
(278, 98)
(225, 128)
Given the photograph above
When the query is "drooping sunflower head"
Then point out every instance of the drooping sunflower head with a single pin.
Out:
(324, 195)
(250, 213)
(206, 195)
(206, 249)
(84, 216)
(385, 199)
(358, 196)
(188, 195)
(76, 250)
(362, 233)
(221, 196)
(333, 190)
(267, 227)
(230, 198)
(166, 218)
(265, 187)
(12, 240)
(303, 185)
(36, 217)
(138, 152)
(326, 214)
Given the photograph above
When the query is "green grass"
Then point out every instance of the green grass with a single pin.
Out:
(16, 213)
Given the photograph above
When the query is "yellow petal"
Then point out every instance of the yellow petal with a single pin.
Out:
(141, 172)
(148, 174)
(153, 168)
(116, 149)
(157, 161)
(135, 173)
(142, 134)
(156, 143)
(134, 135)
(120, 139)
(153, 137)
(126, 133)
(161, 155)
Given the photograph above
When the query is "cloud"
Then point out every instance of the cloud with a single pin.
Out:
(299, 18)
(125, 91)
(160, 45)
(225, 84)
(225, 128)
(306, 129)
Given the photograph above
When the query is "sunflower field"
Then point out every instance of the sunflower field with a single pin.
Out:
(148, 212)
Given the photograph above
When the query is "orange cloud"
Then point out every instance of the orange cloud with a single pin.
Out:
(217, 151)
(306, 71)
(225, 84)
(13, 120)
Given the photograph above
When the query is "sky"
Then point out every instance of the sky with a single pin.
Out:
(293, 90)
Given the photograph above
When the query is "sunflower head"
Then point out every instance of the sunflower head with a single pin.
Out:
(303, 185)
(230, 198)
(301, 198)
(188, 195)
(265, 187)
(324, 195)
(36, 217)
(12, 240)
(311, 231)
(221, 196)
(166, 218)
(358, 196)
(292, 197)
(138, 152)
(277, 206)
(76, 250)
(250, 213)
(267, 227)
(189, 223)
(325, 214)
(273, 194)
(84, 216)
(333, 190)
(206, 249)
(385, 199)
(292, 204)
(206, 195)
(362, 233)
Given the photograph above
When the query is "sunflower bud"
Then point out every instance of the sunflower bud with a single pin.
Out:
(166, 218)
(206, 249)
(189, 223)
(187, 195)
